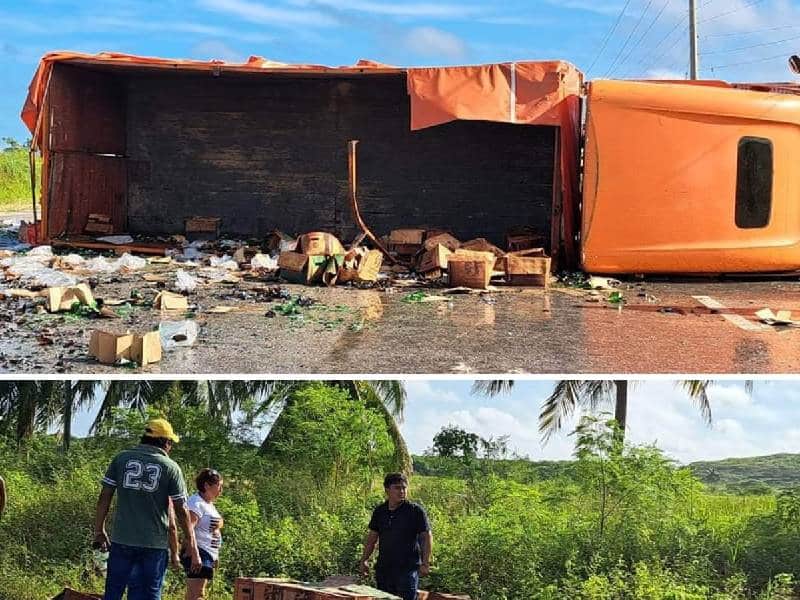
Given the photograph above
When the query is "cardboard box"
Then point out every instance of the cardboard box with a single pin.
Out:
(320, 243)
(202, 228)
(63, 297)
(412, 237)
(528, 270)
(146, 349)
(170, 301)
(364, 266)
(301, 268)
(108, 348)
(470, 269)
(483, 245)
(445, 239)
(104, 228)
(434, 259)
(278, 241)
(257, 588)
(522, 241)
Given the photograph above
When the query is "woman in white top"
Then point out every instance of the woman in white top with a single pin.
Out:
(207, 524)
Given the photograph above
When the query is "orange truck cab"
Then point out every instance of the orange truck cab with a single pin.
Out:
(690, 177)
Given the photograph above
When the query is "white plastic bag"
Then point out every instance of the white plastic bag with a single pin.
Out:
(223, 262)
(177, 334)
(130, 262)
(184, 282)
(262, 261)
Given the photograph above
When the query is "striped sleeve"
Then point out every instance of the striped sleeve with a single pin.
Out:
(176, 488)
(110, 478)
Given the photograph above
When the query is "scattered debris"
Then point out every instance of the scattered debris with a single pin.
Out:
(185, 282)
(603, 283)
(63, 298)
(168, 301)
(177, 334)
(781, 318)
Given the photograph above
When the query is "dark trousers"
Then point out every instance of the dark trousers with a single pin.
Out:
(399, 583)
(141, 570)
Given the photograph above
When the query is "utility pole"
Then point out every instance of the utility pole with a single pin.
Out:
(693, 58)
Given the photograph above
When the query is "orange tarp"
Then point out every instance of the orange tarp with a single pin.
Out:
(528, 93)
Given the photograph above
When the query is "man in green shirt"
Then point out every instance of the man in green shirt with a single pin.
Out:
(145, 480)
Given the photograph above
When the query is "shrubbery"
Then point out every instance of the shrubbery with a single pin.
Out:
(623, 524)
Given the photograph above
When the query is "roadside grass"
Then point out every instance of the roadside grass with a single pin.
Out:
(15, 186)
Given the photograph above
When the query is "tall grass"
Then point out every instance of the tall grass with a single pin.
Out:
(15, 179)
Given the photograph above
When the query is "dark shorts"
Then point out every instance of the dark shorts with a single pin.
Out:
(205, 572)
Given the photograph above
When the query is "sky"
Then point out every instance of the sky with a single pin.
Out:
(765, 422)
(742, 40)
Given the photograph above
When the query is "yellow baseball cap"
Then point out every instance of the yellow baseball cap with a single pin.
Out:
(160, 428)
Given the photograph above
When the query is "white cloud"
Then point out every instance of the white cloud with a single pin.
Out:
(397, 9)
(432, 42)
(216, 50)
(256, 12)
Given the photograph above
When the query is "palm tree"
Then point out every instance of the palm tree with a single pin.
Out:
(568, 395)
(76, 395)
(386, 397)
(223, 398)
(29, 406)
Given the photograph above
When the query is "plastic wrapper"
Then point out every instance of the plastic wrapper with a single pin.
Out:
(262, 261)
(184, 282)
(177, 334)
(223, 262)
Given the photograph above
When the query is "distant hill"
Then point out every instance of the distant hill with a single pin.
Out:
(755, 475)
(748, 475)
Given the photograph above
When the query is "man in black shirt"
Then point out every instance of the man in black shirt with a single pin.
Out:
(403, 534)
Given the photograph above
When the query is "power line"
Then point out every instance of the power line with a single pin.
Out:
(752, 32)
(743, 48)
(641, 63)
(630, 36)
(644, 35)
(730, 12)
(608, 37)
(748, 62)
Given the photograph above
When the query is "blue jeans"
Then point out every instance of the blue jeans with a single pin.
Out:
(399, 583)
(141, 570)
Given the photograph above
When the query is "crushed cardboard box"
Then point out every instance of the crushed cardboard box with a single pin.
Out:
(361, 265)
(62, 298)
(165, 300)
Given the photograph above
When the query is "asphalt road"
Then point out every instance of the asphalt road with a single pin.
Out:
(664, 328)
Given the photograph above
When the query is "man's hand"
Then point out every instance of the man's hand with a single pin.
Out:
(424, 570)
(101, 541)
(175, 562)
(363, 567)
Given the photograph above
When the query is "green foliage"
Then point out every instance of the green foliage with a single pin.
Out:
(454, 441)
(620, 523)
(331, 435)
(15, 178)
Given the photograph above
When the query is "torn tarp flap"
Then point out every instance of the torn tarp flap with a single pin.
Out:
(528, 93)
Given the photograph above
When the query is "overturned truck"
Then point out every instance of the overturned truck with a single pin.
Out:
(678, 177)
(264, 146)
